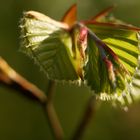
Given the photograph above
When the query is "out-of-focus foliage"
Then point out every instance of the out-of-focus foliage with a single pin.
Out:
(22, 118)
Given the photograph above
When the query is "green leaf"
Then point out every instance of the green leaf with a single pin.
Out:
(104, 66)
(104, 54)
(51, 45)
(122, 42)
(95, 71)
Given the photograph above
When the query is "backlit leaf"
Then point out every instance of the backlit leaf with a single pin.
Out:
(123, 41)
(51, 45)
(103, 52)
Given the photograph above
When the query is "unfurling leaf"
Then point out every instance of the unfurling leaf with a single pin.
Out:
(52, 46)
(120, 48)
(102, 51)
(119, 45)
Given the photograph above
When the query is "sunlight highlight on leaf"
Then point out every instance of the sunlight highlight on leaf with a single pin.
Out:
(102, 52)
(51, 46)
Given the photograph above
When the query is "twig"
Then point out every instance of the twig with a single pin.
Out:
(10, 78)
(53, 119)
(89, 113)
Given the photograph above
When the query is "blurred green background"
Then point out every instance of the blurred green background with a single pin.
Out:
(22, 118)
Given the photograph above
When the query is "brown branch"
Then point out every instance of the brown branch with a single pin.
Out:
(89, 113)
(11, 79)
(54, 121)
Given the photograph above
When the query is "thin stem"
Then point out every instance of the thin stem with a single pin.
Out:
(11, 79)
(89, 113)
(50, 90)
(52, 116)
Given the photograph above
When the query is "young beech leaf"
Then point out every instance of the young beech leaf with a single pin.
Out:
(52, 46)
(123, 42)
(103, 52)
(120, 45)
